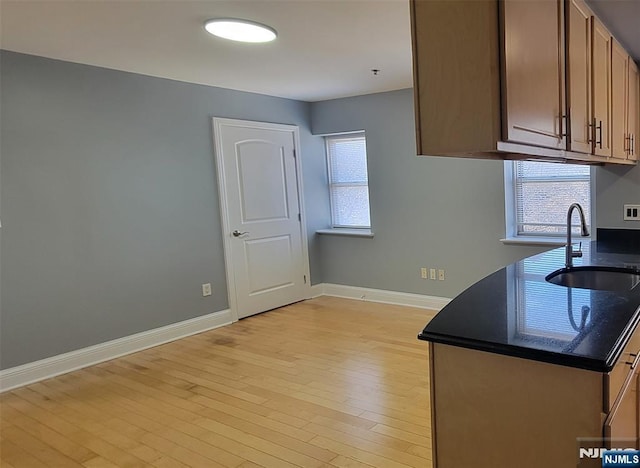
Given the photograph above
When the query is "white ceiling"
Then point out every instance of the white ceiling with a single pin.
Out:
(325, 48)
(622, 17)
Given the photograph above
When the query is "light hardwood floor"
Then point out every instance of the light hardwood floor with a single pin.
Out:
(323, 383)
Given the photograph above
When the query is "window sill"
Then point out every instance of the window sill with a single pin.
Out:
(534, 240)
(346, 232)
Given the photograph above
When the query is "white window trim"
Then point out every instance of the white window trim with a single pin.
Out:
(346, 232)
(538, 240)
(511, 235)
(337, 229)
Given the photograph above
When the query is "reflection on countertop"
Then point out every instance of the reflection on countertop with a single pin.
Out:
(514, 311)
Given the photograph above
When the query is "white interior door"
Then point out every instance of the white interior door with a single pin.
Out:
(265, 241)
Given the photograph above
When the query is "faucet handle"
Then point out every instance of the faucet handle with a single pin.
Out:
(578, 253)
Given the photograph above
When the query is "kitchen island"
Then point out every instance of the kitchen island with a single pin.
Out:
(525, 372)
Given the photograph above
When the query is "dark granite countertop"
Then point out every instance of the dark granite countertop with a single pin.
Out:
(515, 312)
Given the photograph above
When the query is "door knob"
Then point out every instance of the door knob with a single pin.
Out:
(237, 233)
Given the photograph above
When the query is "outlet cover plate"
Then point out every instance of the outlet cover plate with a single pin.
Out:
(631, 213)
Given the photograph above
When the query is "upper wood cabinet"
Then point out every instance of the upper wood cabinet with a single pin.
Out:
(533, 73)
(514, 79)
(579, 76)
(633, 112)
(619, 99)
(456, 76)
(601, 89)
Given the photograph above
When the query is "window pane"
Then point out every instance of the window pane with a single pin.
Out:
(350, 206)
(550, 170)
(547, 202)
(348, 160)
(544, 192)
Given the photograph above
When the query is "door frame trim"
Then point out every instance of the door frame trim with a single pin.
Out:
(217, 124)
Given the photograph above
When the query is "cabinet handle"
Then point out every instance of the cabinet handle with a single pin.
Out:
(564, 123)
(631, 150)
(599, 127)
(635, 361)
(627, 150)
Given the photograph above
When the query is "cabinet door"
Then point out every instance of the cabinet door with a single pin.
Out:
(534, 73)
(633, 114)
(619, 99)
(601, 79)
(456, 76)
(622, 424)
(579, 75)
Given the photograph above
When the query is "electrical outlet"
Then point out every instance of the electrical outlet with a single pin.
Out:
(440, 275)
(432, 273)
(206, 289)
(423, 273)
(631, 213)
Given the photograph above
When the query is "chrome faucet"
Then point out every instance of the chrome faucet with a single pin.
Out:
(570, 254)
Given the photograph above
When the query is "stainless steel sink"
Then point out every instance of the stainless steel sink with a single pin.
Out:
(594, 277)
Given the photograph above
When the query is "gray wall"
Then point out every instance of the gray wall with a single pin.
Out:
(110, 217)
(615, 187)
(425, 211)
(110, 210)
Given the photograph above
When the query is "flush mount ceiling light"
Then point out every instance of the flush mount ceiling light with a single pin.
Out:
(240, 30)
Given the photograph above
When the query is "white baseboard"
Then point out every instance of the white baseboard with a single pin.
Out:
(317, 290)
(380, 295)
(67, 362)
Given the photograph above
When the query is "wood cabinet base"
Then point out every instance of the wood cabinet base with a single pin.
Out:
(490, 410)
